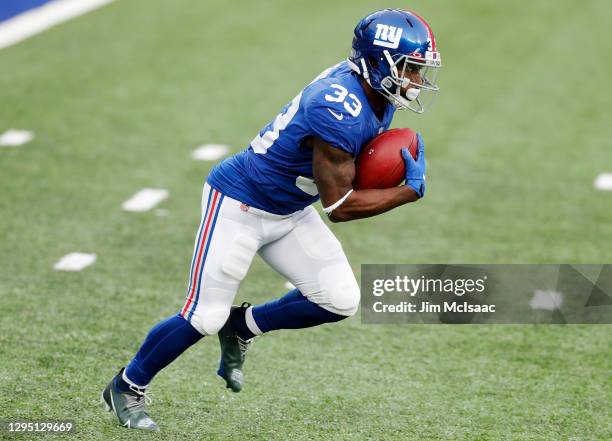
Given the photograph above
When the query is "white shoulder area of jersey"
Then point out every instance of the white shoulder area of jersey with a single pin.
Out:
(328, 98)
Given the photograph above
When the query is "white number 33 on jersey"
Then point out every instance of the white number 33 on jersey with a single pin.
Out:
(340, 94)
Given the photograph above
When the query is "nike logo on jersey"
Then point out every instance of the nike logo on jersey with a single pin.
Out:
(338, 116)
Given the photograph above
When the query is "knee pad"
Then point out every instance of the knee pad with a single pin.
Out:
(211, 317)
(222, 283)
(339, 292)
(213, 307)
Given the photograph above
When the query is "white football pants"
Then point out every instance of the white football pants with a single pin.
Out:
(299, 246)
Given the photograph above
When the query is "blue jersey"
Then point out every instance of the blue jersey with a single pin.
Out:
(275, 172)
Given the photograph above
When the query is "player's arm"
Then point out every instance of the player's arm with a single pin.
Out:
(334, 172)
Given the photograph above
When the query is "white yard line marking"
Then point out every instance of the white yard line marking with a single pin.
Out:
(37, 20)
(546, 300)
(289, 285)
(15, 138)
(75, 262)
(145, 199)
(210, 152)
(603, 182)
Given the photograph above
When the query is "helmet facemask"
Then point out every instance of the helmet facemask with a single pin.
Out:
(404, 93)
(389, 47)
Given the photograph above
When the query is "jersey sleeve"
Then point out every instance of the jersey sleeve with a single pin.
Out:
(329, 120)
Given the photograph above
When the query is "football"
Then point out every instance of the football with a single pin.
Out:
(380, 163)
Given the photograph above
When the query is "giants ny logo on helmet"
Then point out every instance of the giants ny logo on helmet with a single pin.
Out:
(387, 36)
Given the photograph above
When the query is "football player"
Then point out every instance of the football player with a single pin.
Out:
(260, 201)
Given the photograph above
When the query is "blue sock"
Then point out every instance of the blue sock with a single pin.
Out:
(166, 341)
(292, 311)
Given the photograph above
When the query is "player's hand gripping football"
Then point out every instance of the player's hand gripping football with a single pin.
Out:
(415, 169)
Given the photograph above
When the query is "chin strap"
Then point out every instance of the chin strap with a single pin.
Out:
(363, 70)
(331, 208)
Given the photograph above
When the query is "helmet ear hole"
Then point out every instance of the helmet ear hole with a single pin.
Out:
(373, 62)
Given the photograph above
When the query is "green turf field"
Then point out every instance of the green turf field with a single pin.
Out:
(120, 97)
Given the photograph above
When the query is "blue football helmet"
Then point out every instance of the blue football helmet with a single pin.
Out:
(387, 45)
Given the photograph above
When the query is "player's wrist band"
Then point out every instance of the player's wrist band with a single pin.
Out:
(331, 208)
